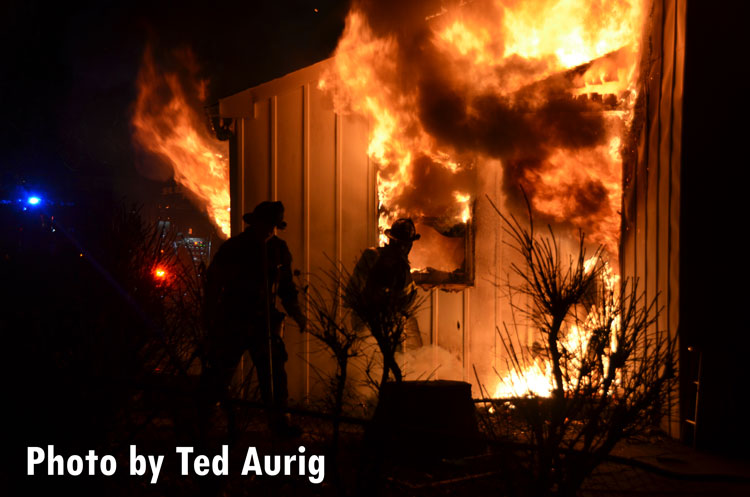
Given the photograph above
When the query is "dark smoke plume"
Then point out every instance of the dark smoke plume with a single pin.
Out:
(521, 129)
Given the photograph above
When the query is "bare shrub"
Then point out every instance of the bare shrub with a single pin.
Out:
(386, 315)
(612, 368)
(331, 325)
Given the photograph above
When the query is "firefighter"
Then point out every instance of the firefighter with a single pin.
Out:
(384, 270)
(381, 291)
(247, 275)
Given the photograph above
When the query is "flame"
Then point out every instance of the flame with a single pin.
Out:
(172, 129)
(590, 264)
(536, 378)
(568, 183)
(571, 30)
(463, 200)
(396, 139)
(531, 61)
(543, 89)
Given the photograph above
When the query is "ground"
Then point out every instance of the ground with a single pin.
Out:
(656, 466)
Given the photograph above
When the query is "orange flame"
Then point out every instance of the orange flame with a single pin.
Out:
(531, 61)
(364, 61)
(544, 88)
(536, 379)
(172, 129)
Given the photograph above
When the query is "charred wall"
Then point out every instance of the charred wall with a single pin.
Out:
(650, 242)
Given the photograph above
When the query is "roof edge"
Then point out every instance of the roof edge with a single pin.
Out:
(241, 104)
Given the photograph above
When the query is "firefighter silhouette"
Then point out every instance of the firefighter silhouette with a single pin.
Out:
(382, 276)
(248, 274)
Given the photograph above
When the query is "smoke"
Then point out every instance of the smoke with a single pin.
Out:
(476, 100)
(430, 176)
(429, 363)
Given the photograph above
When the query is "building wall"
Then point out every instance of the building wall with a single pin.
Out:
(650, 243)
(291, 146)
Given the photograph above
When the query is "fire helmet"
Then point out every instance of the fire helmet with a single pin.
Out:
(403, 230)
(268, 212)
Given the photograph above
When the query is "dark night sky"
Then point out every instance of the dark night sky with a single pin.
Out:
(68, 74)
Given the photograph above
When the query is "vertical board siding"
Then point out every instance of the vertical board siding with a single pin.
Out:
(450, 324)
(287, 139)
(675, 169)
(484, 312)
(305, 278)
(666, 149)
(466, 334)
(292, 147)
(274, 146)
(237, 175)
(424, 320)
(654, 127)
(322, 183)
(337, 187)
(354, 195)
(322, 213)
(256, 161)
(651, 199)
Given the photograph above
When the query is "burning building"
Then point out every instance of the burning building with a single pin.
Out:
(574, 107)
(432, 111)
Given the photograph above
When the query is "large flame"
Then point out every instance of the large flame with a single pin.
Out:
(536, 378)
(166, 124)
(543, 88)
(363, 81)
(546, 86)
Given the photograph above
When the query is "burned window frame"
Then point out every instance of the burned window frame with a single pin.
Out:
(458, 279)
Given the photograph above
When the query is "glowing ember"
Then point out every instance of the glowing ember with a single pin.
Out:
(165, 124)
(160, 273)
